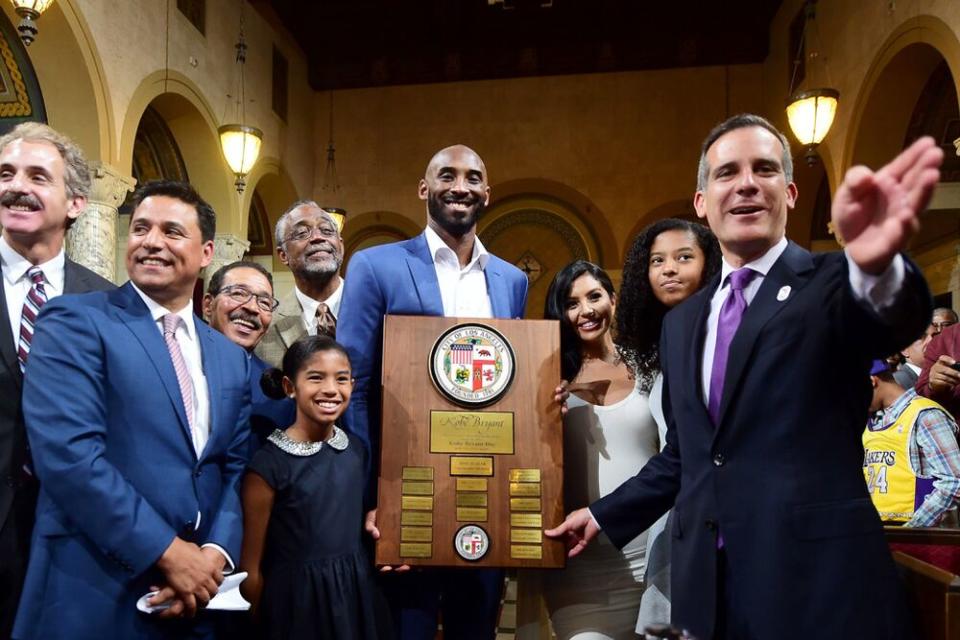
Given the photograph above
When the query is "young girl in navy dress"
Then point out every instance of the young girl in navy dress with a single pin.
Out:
(309, 576)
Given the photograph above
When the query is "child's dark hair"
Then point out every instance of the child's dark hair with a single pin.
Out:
(293, 361)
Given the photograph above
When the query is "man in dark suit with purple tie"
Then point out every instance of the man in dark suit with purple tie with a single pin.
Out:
(774, 534)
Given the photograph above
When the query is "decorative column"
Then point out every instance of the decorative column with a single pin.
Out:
(227, 248)
(92, 239)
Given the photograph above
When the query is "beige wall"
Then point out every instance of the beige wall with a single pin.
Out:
(627, 142)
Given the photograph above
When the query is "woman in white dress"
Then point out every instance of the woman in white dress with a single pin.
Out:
(609, 434)
(668, 262)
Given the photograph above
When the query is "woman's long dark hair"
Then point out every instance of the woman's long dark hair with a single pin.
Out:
(639, 313)
(555, 309)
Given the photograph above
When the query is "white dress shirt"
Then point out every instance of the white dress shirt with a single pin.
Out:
(309, 306)
(16, 284)
(878, 292)
(463, 290)
(186, 337)
(189, 342)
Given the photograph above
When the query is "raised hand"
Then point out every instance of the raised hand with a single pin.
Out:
(577, 531)
(876, 213)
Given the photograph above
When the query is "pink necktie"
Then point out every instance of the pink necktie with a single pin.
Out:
(171, 322)
(36, 298)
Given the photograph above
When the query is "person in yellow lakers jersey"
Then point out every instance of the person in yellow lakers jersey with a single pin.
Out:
(911, 460)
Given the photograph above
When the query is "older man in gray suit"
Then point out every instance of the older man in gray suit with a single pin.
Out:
(309, 243)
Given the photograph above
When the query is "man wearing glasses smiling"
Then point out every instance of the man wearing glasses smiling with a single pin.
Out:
(309, 243)
(239, 303)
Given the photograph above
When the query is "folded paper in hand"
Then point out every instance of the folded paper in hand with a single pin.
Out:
(228, 597)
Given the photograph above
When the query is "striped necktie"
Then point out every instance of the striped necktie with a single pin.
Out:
(171, 322)
(36, 298)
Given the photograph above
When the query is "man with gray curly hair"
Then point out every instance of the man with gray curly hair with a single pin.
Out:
(309, 243)
(44, 183)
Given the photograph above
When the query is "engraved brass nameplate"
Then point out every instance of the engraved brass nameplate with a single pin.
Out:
(522, 504)
(416, 550)
(417, 473)
(426, 489)
(471, 514)
(525, 551)
(419, 518)
(472, 484)
(526, 535)
(425, 534)
(524, 475)
(471, 499)
(471, 432)
(523, 489)
(471, 466)
(526, 520)
(417, 503)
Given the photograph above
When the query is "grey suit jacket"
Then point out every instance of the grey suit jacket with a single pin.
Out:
(286, 328)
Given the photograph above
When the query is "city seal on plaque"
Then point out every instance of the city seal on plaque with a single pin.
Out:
(471, 542)
(472, 364)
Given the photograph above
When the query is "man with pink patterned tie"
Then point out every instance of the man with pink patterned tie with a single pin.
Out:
(137, 414)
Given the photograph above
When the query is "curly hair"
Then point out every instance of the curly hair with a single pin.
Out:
(639, 313)
(555, 309)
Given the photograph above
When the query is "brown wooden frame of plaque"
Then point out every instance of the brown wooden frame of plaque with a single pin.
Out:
(409, 395)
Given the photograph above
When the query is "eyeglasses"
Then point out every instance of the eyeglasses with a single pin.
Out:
(242, 295)
(937, 327)
(305, 233)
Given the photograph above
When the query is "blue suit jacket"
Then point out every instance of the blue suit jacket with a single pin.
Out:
(400, 279)
(780, 476)
(266, 414)
(119, 475)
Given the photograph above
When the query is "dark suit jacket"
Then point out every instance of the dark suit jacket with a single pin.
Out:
(781, 475)
(18, 492)
(400, 278)
(118, 472)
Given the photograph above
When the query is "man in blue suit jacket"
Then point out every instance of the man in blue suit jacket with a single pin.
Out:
(443, 272)
(138, 439)
(774, 534)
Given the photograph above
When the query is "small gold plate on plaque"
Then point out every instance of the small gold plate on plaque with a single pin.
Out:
(416, 550)
(417, 473)
(524, 551)
(471, 466)
(522, 504)
(472, 484)
(420, 518)
(471, 432)
(471, 499)
(471, 514)
(425, 534)
(525, 535)
(524, 475)
(426, 489)
(522, 489)
(524, 520)
(417, 503)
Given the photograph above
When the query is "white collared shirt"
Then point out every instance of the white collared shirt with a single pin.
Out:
(189, 342)
(16, 284)
(463, 290)
(877, 291)
(309, 306)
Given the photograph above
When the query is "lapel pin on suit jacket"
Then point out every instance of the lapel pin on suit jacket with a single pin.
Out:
(784, 293)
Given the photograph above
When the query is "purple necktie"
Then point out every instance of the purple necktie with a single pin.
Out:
(731, 313)
(36, 298)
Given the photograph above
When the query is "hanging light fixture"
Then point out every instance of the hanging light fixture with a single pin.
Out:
(29, 10)
(240, 142)
(331, 184)
(810, 112)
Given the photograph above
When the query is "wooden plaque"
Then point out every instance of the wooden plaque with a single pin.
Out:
(471, 460)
